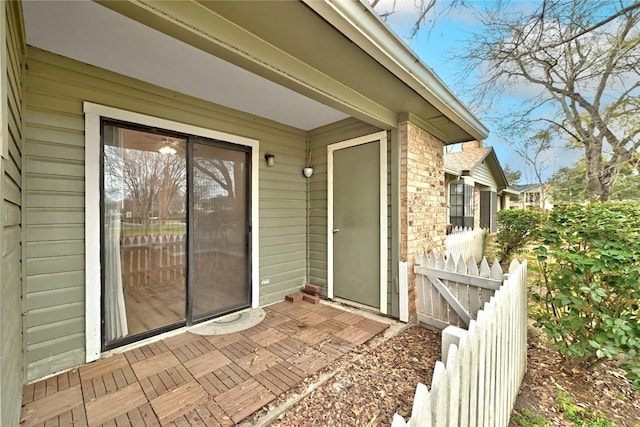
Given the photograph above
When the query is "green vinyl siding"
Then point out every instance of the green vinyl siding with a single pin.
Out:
(54, 195)
(11, 223)
(482, 175)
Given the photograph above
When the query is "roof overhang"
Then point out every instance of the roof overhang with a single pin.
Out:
(345, 62)
(361, 24)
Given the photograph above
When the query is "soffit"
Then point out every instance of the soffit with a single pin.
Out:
(277, 60)
(90, 33)
(300, 32)
(303, 33)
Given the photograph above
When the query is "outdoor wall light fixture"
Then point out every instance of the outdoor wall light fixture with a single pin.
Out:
(270, 158)
(308, 169)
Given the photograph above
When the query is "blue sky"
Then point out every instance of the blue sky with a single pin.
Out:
(437, 45)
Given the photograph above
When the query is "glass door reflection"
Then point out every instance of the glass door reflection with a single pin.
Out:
(144, 232)
(220, 238)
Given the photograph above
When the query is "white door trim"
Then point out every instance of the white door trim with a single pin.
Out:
(93, 113)
(378, 136)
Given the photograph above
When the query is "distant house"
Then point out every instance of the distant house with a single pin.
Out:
(475, 185)
(533, 196)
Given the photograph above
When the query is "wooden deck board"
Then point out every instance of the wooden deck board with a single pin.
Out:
(176, 403)
(242, 401)
(212, 415)
(207, 362)
(193, 380)
(155, 364)
(102, 366)
(354, 335)
(259, 361)
(105, 408)
(51, 406)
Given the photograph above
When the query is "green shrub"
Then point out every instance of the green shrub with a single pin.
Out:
(516, 229)
(589, 291)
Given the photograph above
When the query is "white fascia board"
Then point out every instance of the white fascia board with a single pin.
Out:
(360, 23)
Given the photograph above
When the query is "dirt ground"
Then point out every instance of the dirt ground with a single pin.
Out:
(604, 390)
(368, 387)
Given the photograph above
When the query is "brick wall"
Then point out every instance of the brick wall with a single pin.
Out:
(422, 198)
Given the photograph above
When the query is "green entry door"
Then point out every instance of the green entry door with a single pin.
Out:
(356, 223)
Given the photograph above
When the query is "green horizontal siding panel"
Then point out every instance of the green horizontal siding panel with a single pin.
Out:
(265, 213)
(50, 216)
(11, 190)
(272, 270)
(55, 298)
(299, 231)
(57, 363)
(11, 336)
(53, 281)
(482, 175)
(65, 122)
(40, 334)
(13, 166)
(282, 223)
(54, 136)
(47, 249)
(38, 266)
(48, 315)
(11, 239)
(11, 213)
(54, 347)
(59, 168)
(41, 199)
(281, 239)
(48, 183)
(55, 151)
(47, 233)
(282, 249)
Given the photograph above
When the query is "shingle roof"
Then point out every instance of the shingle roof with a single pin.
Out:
(465, 160)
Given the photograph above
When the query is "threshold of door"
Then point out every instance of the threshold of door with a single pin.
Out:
(359, 306)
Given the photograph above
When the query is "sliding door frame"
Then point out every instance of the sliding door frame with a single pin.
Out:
(94, 113)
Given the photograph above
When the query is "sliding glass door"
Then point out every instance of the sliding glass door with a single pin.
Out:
(220, 218)
(175, 216)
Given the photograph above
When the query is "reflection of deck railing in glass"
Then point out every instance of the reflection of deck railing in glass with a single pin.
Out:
(152, 226)
(153, 259)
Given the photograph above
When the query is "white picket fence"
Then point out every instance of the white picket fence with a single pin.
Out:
(478, 383)
(465, 242)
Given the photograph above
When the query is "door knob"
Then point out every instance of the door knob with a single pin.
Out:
(335, 230)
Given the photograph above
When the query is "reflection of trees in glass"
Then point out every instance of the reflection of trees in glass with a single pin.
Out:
(218, 197)
(216, 183)
(220, 171)
(154, 183)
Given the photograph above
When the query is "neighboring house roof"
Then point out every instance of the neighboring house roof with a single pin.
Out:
(471, 159)
(523, 188)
